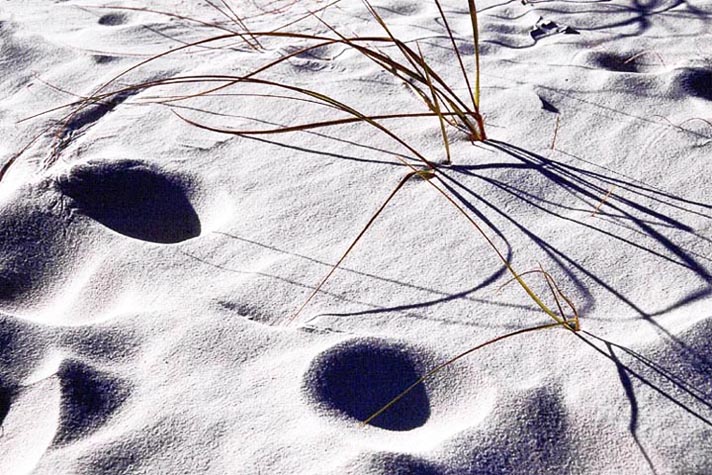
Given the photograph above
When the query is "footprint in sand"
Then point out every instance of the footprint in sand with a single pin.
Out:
(133, 199)
(614, 62)
(630, 62)
(358, 377)
(89, 398)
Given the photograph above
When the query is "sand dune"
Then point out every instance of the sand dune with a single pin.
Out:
(152, 271)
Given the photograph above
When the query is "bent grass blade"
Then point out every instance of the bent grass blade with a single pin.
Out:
(417, 69)
(441, 366)
(353, 244)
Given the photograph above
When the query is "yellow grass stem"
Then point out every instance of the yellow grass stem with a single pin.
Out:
(603, 201)
(451, 361)
(326, 123)
(437, 111)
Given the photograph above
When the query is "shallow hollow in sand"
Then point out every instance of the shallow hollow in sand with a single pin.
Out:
(359, 377)
(133, 199)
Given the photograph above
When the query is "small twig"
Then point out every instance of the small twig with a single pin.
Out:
(556, 133)
(605, 198)
(643, 53)
(451, 361)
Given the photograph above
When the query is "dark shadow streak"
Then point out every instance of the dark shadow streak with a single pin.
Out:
(445, 296)
(375, 308)
(569, 174)
(570, 178)
(547, 168)
(529, 199)
(543, 244)
(630, 394)
(630, 372)
(638, 188)
(686, 387)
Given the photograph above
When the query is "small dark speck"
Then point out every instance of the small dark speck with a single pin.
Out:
(103, 59)
(112, 19)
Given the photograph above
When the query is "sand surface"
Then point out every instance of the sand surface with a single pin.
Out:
(150, 269)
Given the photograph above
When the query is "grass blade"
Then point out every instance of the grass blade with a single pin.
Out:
(457, 54)
(315, 125)
(449, 362)
(476, 39)
(436, 110)
(352, 245)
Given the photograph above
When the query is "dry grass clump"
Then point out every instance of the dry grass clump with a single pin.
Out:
(408, 65)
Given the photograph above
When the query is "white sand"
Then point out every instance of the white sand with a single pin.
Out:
(148, 268)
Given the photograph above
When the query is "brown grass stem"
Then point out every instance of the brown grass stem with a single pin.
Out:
(352, 245)
(603, 201)
(441, 366)
(436, 109)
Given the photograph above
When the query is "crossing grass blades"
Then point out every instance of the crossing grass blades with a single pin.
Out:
(454, 115)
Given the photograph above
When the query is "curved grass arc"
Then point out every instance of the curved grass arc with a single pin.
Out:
(352, 42)
(442, 366)
(97, 96)
(381, 59)
(417, 69)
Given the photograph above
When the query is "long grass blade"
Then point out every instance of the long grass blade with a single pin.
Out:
(347, 109)
(551, 284)
(352, 245)
(476, 39)
(310, 14)
(441, 366)
(457, 54)
(437, 111)
(395, 67)
(396, 42)
(316, 125)
(232, 16)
